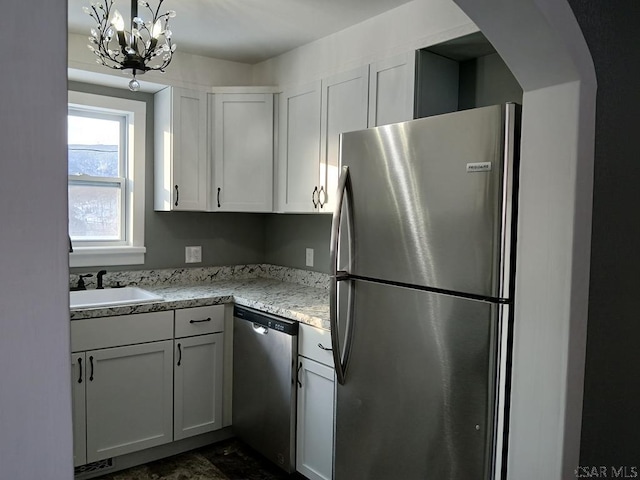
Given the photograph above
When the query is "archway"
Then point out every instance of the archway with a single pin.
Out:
(543, 46)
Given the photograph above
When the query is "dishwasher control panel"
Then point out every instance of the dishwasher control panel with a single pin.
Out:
(276, 326)
(272, 322)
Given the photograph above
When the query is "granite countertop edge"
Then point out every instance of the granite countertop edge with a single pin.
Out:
(308, 305)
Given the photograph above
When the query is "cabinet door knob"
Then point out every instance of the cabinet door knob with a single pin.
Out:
(177, 195)
(219, 196)
(322, 347)
(91, 363)
(313, 197)
(179, 354)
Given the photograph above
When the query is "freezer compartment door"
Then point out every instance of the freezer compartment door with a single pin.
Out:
(432, 200)
(417, 402)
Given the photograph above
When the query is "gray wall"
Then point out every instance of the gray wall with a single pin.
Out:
(482, 81)
(288, 236)
(487, 81)
(226, 239)
(35, 371)
(611, 413)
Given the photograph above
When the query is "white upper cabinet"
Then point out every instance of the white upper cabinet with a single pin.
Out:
(213, 152)
(181, 165)
(391, 90)
(312, 117)
(242, 145)
(299, 144)
(345, 98)
(372, 95)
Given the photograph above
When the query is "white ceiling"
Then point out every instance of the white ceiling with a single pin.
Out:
(248, 31)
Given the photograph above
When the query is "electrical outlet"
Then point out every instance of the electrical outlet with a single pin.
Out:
(193, 254)
(309, 257)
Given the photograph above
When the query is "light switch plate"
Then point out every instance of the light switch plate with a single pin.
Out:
(193, 254)
(309, 257)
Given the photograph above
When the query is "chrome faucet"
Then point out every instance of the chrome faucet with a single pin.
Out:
(99, 276)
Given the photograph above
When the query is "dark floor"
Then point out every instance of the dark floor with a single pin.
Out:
(227, 460)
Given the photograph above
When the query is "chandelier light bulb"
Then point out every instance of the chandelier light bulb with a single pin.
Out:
(117, 21)
(157, 29)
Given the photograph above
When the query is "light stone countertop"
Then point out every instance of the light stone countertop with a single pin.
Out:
(294, 301)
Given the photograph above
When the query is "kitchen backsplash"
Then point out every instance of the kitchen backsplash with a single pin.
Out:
(199, 275)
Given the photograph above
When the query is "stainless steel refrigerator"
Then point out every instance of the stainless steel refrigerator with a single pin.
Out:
(421, 296)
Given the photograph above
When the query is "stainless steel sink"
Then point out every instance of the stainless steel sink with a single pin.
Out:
(110, 296)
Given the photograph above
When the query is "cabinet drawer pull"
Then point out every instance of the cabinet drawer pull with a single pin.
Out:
(322, 347)
(91, 363)
(200, 321)
(177, 196)
(219, 196)
(80, 366)
(298, 376)
(313, 197)
(179, 354)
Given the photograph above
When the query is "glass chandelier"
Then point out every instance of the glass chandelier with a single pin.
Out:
(145, 46)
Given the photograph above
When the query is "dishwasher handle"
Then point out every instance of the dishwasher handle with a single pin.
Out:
(260, 329)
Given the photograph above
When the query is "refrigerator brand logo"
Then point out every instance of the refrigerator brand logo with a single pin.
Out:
(478, 167)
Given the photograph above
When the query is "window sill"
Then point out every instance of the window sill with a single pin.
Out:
(106, 256)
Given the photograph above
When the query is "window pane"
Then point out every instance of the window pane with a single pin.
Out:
(94, 145)
(94, 211)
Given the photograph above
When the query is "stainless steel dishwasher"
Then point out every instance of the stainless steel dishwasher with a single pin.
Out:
(265, 348)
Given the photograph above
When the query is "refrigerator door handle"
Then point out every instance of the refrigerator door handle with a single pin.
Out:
(340, 358)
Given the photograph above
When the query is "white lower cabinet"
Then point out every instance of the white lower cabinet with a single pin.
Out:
(122, 400)
(314, 441)
(199, 370)
(198, 385)
(314, 432)
(129, 399)
(78, 405)
(122, 371)
(136, 385)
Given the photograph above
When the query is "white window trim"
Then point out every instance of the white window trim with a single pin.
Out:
(133, 252)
